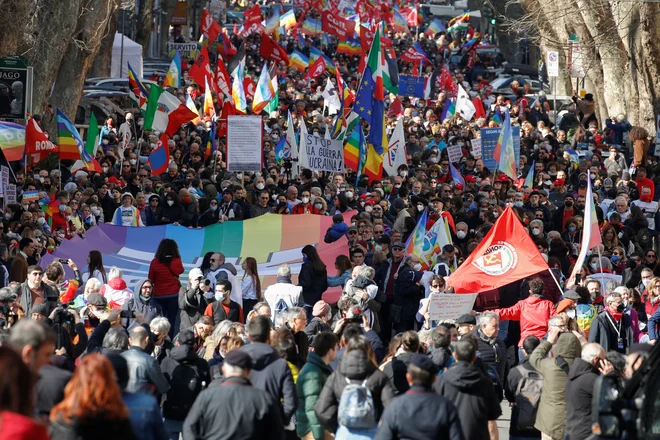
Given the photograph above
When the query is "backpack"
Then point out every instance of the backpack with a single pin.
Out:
(356, 406)
(185, 386)
(528, 396)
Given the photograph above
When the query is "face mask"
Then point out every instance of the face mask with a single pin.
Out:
(568, 204)
(594, 266)
(132, 161)
(213, 207)
(144, 298)
(518, 204)
(95, 210)
(8, 216)
(305, 200)
(105, 141)
(62, 208)
(403, 173)
(209, 295)
(536, 231)
(572, 229)
(319, 206)
(41, 221)
(260, 186)
(170, 202)
(593, 176)
(420, 208)
(60, 236)
(349, 194)
(69, 217)
(620, 308)
(570, 313)
(461, 234)
(615, 258)
(239, 176)
(646, 282)
(417, 267)
(397, 186)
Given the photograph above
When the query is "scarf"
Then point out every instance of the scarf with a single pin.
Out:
(616, 315)
(490, 341)
(285, 280)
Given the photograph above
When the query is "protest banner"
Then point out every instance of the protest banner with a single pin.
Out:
(186, 50)
(455, 153)
(476, 148)
(489, 137)
(324, 154)
(445, 306)
(11, 194)
(244, 141)
(605, 278)
(4, 179)
(338, 26)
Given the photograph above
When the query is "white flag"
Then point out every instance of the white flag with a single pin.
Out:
(302, 148)
(427, 87)
(464, 106)
(291, 146)
(396, 150)
(331, 98)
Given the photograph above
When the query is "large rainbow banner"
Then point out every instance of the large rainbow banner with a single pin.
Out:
(272, 239)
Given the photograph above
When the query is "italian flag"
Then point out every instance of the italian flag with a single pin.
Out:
(165, 113)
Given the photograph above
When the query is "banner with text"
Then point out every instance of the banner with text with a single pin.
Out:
(444, 306)
(489, 137)
(244, 141)
(186, 50)
(324, 154)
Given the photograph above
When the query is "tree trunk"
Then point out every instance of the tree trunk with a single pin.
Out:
(103, 63)
(144, 21)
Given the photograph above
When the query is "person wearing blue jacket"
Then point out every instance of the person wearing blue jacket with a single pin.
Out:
(652, 326)
(337, 230)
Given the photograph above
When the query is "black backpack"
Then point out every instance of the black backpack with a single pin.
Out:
(185, 386)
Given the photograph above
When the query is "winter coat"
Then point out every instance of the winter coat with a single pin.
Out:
(144, 372)
(50, 388)
(493, 363)
(49, 295)
(94, 429)
(604, 333)
(173, 214)
(640, 150)
(510, 389)
(235, 409)
(466, 386)
(335, 232)
(272, 374)
(579, 394)
(182, 357)
(551, 415)
(315, 327)
(434, 417)
(396, 371)
(313, 283)
(533, 313)
(145, 416)
(407, 292)
(310, 382)
(356, 367)
(166, 276)
(192, 304)
(150, 308)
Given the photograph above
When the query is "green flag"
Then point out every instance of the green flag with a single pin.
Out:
(92, 136)
(152, 106)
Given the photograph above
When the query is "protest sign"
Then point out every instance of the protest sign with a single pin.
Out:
(445, 306)
(455, 152)
(476, 148)
(244, 141)
(605, 278)
(187, 50)
(4, 178)
(324, 154)
(489, 137)
(11, 194)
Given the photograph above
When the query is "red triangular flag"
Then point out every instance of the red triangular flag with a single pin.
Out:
(505, 255)
(201, 70)
(37, 145)
(209, 27)
(317, 68)
(270, 50)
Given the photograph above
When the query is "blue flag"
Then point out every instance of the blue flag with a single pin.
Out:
(411, 86)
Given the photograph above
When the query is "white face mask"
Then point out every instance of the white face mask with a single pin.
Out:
(536, 231)
(95, 210)
(209, 294)
(397, 186)
(571, 313)
(105, 141)
(305, 199)
(105, 169)
(260, 185)
(461, 234)
(319, 206)
(645, 282)
(349, 194)
(170, 202)
(403, 173)
(594, 265)
(132, 161)
(368, 208)
(417, 267)
(420, 208)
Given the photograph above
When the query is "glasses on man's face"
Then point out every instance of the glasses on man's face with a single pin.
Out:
(637, 261)
(396, 249)
(212, 260)
(264, 198)
(352, 232)
(379, 232)
(444, 164)
(436, 286)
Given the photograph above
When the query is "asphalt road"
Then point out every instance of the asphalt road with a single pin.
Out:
(503, 421)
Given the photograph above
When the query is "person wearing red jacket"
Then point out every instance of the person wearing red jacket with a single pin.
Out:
(164, 270)
(533, 312)
(305, 207)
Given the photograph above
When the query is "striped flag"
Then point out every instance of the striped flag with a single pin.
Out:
(264, 91)
(288, 19)
(456, 175)
(435, 27)
(399, 23)
(71, 144)
(173, 77)
(354, 144)
(529, 180)
(311, 27)
(298, 61)
(504, 150)
(349, 47)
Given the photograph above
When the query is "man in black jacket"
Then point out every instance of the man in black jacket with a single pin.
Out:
(516, 427)
(612, 328)
(420, 413)
(187, 375)
(269, 371)
(471, 391)
(580, 389)
(492, 350)
(234, 408)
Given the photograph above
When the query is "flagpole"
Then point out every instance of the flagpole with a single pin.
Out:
(555, 278)
(59, 168)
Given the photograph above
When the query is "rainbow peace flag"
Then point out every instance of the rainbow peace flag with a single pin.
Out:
(288, 19)
(504, 150)
(12, 141)
(311, 27)
(449, 110)
(435, 27)
(315, 54)
(272, 23)
(71, 144)
(399, 23)
(298, 61)
(173, 77)
(271, 239)
(354, 144)
(349, 47)
(529, 180)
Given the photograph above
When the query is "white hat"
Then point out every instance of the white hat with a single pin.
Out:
(195, 273)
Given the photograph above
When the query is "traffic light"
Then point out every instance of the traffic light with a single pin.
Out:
(493, 21)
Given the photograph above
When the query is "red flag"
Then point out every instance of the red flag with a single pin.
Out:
(413, 56)
(252, 22)
(410, 14)
(37, 145)
(270, 50)
(209, 27)
(317, 68)
(479, 106)
(159, 159)
(249, 87)
(505, 255)
(222, 79)
(367, 36)
(201, 69)
(338, 26)
(228, 109)
(396, 108)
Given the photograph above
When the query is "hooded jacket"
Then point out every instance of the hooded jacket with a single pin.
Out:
(166, 276)
(192, 304)
(551, 415)
(466, 386)
(310, 382)
(149, 308)
(355, 366)
(313, 283)
(181, 394)
(271, 373)
(579, 393)
(335, 232)
(533, 313)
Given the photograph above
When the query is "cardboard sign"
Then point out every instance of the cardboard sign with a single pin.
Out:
(11, 194)
(446, 306)
(455, 153)
(476, 148)
(187, 50)
(324, 154)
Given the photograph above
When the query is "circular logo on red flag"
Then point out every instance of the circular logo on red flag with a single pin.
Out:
(498, 259)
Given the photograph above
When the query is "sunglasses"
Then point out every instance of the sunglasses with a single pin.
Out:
(650, 256)
(397, 249)
(437, 286)
(212, 260)
(352, 232)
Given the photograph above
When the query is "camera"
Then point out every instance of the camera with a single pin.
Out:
(127, 314)
(62, 314)
(207, 282)
(63, 260)
(354, 315)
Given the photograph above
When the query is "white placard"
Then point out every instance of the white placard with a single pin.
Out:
(11, 193)
(244, 143)
(323, 154)
(604, 278)
(4, 173)
(445, 306)
(455, 153)
(552, 63)
(476, 148)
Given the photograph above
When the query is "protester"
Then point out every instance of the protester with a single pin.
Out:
(164, 271)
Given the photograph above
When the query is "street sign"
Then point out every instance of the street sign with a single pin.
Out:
(553, 63)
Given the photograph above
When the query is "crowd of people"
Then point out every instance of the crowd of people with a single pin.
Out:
(210, 353)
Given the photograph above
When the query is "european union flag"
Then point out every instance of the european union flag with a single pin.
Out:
(411, 86)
